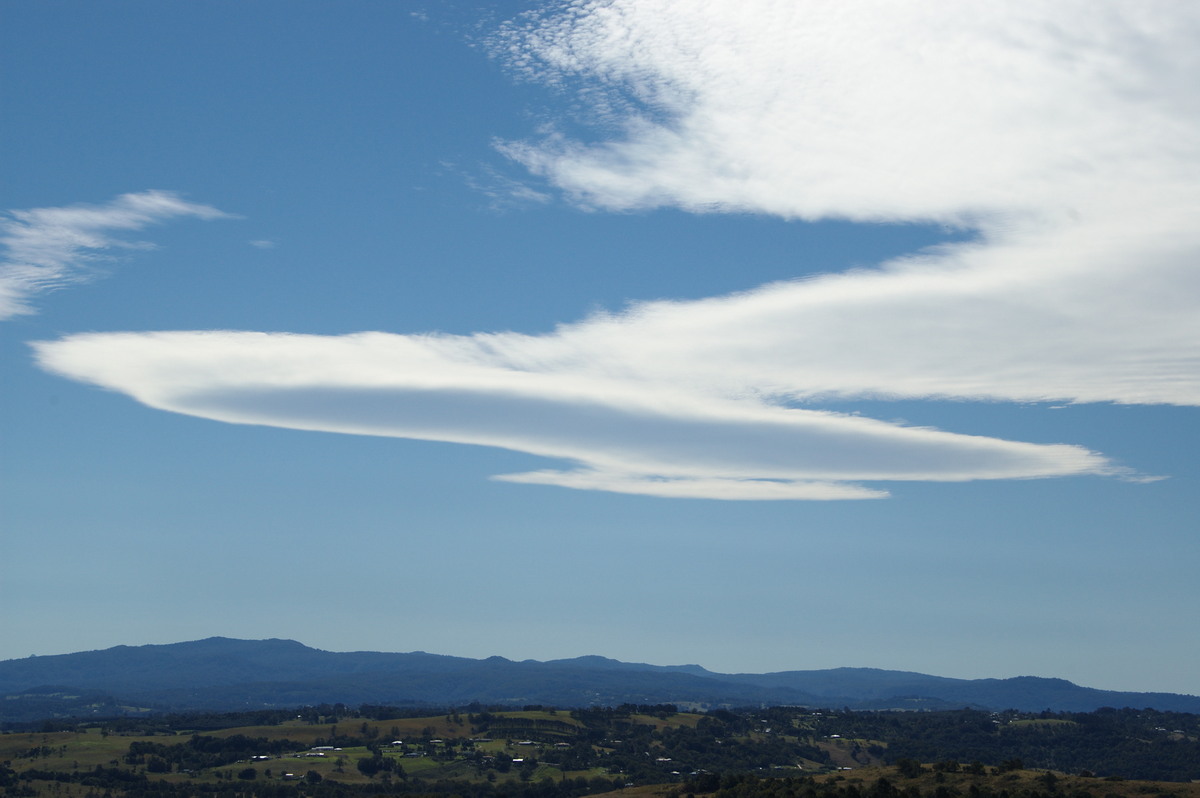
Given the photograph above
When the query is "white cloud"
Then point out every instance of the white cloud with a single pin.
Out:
(49, 248)
(630, 433)
(872, 110)
(1066, 134)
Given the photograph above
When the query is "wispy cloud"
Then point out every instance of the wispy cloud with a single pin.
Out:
(870, 110)
(50, 248)
(1067, 135)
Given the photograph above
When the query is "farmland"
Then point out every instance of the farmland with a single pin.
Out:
(543, 752)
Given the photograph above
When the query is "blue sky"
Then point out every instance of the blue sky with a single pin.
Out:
(763, 336)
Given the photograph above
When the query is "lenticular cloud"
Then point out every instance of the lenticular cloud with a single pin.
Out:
(625, 433)
(1065, 134)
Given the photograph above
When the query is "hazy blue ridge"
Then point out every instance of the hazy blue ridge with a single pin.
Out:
(222, 673)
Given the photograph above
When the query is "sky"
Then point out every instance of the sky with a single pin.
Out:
(762, 335)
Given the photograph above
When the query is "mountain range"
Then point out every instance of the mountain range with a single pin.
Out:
(225, 674)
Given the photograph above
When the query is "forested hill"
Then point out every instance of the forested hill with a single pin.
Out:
(221, 673)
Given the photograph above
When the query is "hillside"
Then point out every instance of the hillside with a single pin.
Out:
(221, 673)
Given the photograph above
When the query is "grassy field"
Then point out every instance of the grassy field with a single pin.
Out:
(87, 749)
(83, 751)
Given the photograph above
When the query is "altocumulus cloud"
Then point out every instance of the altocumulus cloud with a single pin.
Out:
(1065, 134)
(50, 248)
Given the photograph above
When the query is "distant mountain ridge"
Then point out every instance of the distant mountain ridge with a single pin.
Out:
(225, 674)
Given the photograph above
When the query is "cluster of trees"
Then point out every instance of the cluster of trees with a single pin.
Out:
(1131, 743)
(745, 785)
(118, 781)
(378, 763)
(106, 778)
(200, 752)
(545, 729)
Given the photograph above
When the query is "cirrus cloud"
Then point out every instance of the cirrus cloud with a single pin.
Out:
(49, 248)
